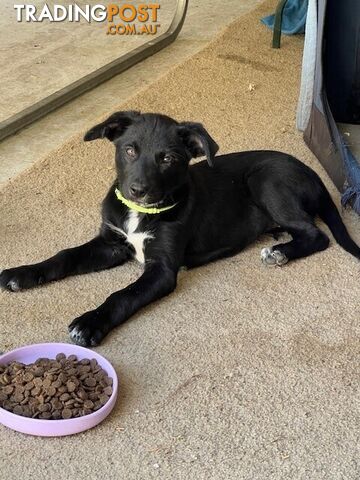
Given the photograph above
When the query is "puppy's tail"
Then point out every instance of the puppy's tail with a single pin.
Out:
(329, 213)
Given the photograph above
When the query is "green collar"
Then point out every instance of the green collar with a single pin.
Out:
(140, 208)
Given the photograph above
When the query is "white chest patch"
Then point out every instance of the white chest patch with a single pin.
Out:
(136, 239)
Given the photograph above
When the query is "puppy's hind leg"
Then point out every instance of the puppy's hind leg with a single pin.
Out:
(276, 232)
(285, 206)
(307, 239)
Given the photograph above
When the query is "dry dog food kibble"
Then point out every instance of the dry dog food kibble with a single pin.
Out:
(54, 389)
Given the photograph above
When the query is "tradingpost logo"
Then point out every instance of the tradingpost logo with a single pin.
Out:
(121, 18)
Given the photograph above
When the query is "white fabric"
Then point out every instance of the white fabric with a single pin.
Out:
(308, 68)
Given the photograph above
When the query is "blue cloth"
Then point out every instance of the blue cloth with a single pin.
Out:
(352, 192)
(293, 19)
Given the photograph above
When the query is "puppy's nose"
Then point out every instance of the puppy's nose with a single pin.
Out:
(137, 190)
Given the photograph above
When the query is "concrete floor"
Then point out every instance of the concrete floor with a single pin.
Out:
(26, 79)
(48, 56)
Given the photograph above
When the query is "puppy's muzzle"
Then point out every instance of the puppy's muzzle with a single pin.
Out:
(138, 191)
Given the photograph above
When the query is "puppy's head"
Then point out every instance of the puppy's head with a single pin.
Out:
(153, 153)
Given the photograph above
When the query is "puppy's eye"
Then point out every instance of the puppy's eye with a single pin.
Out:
(167, 159)
(130, 151)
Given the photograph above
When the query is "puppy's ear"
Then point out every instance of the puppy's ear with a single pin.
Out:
(198, 141)
(113, 127)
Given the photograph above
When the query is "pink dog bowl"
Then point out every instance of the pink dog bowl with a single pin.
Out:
(57, 428)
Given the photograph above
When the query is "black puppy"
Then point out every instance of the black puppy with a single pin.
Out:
(167, 215)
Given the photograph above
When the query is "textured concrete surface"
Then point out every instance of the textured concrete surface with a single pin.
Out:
(244, 372)
(46, 57)
(204, 20)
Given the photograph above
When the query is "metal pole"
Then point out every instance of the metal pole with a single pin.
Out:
(277, 24)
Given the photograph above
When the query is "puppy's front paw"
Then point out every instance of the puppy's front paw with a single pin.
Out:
(271, 258)
(20, 278)
(89, 329)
